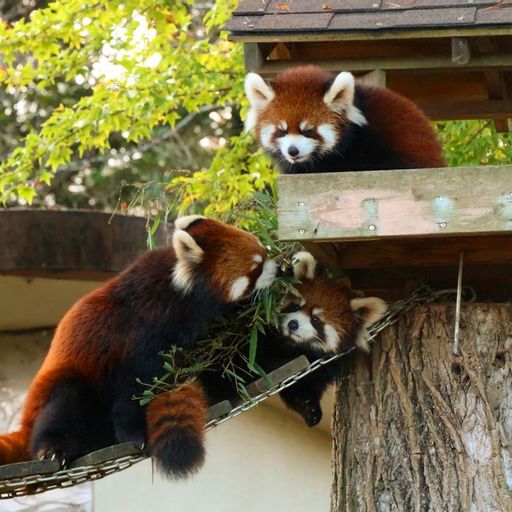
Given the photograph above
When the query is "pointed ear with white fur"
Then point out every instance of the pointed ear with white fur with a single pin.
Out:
(186, 247)
(304, 266)
(340, 98)
(259, 94)
(369, 310)
(185, 221)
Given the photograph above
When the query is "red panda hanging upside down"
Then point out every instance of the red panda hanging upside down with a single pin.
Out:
(320, 319)
(81, 399)
(310, 120)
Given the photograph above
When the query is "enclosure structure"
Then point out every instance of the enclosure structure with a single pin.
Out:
(419, 425)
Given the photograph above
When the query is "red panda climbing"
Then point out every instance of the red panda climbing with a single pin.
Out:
(81, 398)
(322, 319)
(312, 121)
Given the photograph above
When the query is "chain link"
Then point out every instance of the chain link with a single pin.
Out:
(68, 477)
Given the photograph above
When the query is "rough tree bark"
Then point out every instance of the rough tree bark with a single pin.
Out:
(417, 428)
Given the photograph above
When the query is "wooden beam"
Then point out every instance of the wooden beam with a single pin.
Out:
(376, 77)
(253, 57)
(449, 110)
(369, 205)
(271, 68)
(376, 35)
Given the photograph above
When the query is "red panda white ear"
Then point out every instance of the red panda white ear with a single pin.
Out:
(304, 265)
(186, 248)
(185, 221)
(259, 94)
(369, 310)
(340, 98)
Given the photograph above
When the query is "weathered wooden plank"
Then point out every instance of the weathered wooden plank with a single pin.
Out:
(277, 376)
(32, 467)
(253, 57)
(218, 410)
(401, 203)
(461, 53)
(106, 454)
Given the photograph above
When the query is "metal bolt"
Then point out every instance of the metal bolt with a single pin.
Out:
(300, 204)
(510, 194)
(443, 224)
(372, 227)
(370, 200)
(461, 18)
(441, 198)
(302, 231)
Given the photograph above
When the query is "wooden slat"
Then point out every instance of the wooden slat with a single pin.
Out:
(441, 62)
(22, 469)
(401, 203)
(486, 109)
(362, 35)
(113, 452)
(218, 410)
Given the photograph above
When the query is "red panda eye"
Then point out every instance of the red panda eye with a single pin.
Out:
(292, 308)
(281, 133)
(309, 133)
(315, 320)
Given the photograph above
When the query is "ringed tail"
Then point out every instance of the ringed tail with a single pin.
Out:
(14, 447)
(175, 424)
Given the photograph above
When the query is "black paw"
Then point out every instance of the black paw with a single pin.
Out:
(49, 453)
(137, 438)
(312, 413)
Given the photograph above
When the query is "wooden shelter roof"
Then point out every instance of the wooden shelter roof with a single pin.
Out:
(272, 17)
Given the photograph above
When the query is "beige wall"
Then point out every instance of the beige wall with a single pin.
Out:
(261, 461)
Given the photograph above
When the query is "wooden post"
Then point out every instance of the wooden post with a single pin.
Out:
(417, 428)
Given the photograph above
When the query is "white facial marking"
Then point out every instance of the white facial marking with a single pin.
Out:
(328, 133)
(267, 276)
(304, 145)
(305, 331)
(317, 311)
(266, 133)
(257, 260)
(304, 125)
(239, 287)
(182, 277)
(331, 337)
(185, 221)
(283, 125)
(302, 302)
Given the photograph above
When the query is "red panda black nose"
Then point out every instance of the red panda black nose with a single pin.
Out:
(293, 151)
(293, 325)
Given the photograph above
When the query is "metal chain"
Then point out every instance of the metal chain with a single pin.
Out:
(35, 484)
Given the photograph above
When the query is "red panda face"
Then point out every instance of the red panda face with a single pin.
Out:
(233, 262)
(323, 315)
(302, 113)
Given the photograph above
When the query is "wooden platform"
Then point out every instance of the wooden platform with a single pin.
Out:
(391, 230)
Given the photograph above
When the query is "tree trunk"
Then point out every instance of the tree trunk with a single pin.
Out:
(417, 428)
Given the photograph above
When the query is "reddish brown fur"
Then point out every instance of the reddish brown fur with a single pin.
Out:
(396, 120)
(299, 96)
(185, 407)
(231, 250)
(403, 126)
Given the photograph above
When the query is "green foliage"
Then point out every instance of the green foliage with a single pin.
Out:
(474, 143)
(147, 64)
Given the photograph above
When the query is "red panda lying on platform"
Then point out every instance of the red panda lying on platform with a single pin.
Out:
(322, 320)
(310, 120)
(81, 399)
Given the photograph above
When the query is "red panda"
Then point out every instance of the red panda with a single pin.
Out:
(322, 319)
(310, 120)
(82, 397)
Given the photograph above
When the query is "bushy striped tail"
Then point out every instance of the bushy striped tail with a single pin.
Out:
(175, 429)
(14, 447)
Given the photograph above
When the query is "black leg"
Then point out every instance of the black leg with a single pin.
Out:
(72, 423)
